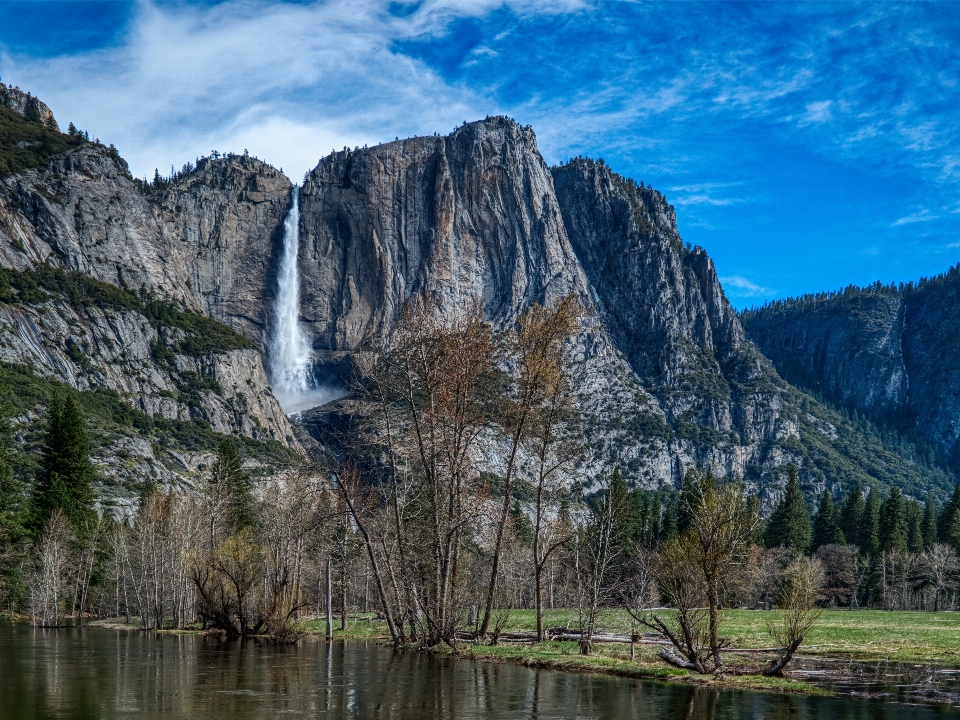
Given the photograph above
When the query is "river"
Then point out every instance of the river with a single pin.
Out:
(100, 674)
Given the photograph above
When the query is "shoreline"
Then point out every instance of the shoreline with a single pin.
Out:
(613, 659)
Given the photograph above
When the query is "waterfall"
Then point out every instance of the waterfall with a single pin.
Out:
(291, 363)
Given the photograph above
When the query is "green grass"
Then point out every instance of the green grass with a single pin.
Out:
(910, 637)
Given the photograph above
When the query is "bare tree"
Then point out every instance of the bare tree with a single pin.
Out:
(437, 382)
(598, 548)
(941, 566)
(715, 544)
(52, 562)
(540, 405)
(798, 611)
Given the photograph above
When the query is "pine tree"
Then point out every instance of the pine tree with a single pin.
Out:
(893, 522)
(870, 531)
(66, 473)
(229, 474)
(851, 516)
(11, 494)
(789, 524)
(915, 527)
(929, 525)
(668, 528)
(948, 523)
(825, 528)
(688, 499)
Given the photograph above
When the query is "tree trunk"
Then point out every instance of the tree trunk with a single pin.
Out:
(329, 603)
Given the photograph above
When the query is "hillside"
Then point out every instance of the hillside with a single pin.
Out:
(888, 352)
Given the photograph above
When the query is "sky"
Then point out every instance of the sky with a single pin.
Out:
(805, 146)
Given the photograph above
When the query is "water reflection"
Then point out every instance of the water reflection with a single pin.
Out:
(95, 673)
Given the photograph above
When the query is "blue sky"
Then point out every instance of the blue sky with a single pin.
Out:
(806, 146)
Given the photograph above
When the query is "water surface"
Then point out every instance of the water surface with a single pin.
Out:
(108, 675)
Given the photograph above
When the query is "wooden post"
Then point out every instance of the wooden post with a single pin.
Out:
(329, 603)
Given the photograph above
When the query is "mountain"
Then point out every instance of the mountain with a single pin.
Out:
(159, 293)
(477, 218)
(889, 352)
(146, 293)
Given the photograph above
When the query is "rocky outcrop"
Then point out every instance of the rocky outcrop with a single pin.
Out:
(471, 218)
(205, 241)
(664, 307)
(477, 220)
(26, 105)
(889, 352)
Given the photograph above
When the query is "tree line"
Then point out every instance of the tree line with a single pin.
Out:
(451, 493)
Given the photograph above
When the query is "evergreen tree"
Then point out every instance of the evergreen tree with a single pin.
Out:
(870, 530)
(11, 494)
(929, 526)
(66, 473)
(948, 523)
(851, 515)
(753, 509)
(228, 473)
(915, 527)
(893, 522)
(789, 524)
(12, 523)
(668, 528)
(825, 528)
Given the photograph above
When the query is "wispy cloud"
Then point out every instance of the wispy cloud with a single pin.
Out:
(739, 286)
(918, 217)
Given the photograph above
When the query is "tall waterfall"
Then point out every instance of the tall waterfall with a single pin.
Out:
(291, 364)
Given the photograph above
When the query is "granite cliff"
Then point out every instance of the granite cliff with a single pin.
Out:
(889, 352)
(108, 285)
(160, 293)
(477, 218)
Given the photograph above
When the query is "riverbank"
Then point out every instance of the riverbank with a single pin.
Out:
(930, 640)
(841, 651)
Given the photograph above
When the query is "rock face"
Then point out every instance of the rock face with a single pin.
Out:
(471, 217)
(205, 241)
(890, 352)
(26, 105)
(476, 219)
(665, 309)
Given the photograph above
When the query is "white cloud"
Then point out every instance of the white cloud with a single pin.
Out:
(287, 82)
(918, 217)
(739, 286)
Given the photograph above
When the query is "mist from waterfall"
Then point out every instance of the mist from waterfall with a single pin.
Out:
(291, 359)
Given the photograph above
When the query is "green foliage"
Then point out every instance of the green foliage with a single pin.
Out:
(25, 144)
(852, 514)
(893, 522)
(202, 334)
(228, 474)
(948, 524)
(870, 530)
(66, 474)
(826, 529)
(928, 528)
(12, 505)
(789, 524)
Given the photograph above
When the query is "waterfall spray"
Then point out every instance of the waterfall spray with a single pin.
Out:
(290, 359)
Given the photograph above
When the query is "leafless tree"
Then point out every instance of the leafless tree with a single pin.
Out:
(51, 571)
(715, 545)
(801, 587)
